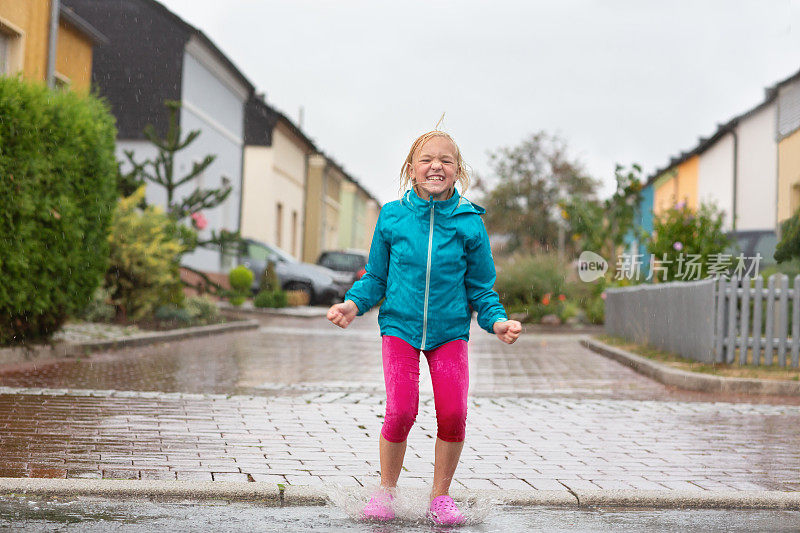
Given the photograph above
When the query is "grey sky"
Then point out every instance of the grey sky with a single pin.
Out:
(621, 81)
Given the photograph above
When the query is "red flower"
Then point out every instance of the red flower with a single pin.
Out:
(199, 220)
(546, 299)
(561, 297)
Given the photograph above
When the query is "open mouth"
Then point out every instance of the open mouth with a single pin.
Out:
(435, 178)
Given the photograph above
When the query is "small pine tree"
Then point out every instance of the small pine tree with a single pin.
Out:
(161, 171)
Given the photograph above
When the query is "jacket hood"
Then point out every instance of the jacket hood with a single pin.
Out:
(455, 205)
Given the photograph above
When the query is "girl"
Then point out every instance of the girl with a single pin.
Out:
(430, 259)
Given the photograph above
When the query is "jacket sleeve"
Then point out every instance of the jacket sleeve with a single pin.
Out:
(371, 288)
(480, 278)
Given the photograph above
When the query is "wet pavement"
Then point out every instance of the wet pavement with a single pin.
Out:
(146, 516)
(301, 402)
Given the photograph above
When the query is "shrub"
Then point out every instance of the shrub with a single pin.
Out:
(241, 278)
(523, 281)
(596, 311)
(57, 189)
(146, 247)
(237, 299)
(682, 230)
(269, 279)
(99, 308)
(271, 299)
(172, 313)
(202, 308)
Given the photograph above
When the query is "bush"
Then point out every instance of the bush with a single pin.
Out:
(172, 313)
(523, 281)
(58, 190)
(269, 279)
(271, 299)
(146, 247)
(202, 308)
(237, 299)
(99, 308)
(241, 278)
(681, 229)
(596, 311)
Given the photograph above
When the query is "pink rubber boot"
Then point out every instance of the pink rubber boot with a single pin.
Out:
(379, 507)
(445, 512)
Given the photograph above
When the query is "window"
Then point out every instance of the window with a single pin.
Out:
(4, 48)
(260, 253)
(279, 224)
(795, 198)
(294, 233)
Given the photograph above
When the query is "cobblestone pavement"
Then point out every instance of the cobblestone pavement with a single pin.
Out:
(301, 402)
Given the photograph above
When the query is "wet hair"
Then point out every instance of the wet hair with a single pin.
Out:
(462, 172)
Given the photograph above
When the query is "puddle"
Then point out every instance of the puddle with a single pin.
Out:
(92, 515)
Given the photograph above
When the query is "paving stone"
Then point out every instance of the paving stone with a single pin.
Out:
(543, 410)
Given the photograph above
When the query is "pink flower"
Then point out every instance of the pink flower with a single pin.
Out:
(603, 295)
(199, 220)
(680, 205)
(678, 245)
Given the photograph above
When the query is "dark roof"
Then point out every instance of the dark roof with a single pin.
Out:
(770, 93)
(259, 121)
(141, 65)
(81, 25)
(350, 178)
(203, 37)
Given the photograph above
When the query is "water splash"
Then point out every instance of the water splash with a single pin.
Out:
(410, 504)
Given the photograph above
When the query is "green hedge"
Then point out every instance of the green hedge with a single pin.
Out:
(58, 192)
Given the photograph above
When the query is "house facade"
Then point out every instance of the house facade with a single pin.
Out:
(152, 57)
(359, 211)
(25, 43)
(274, 184)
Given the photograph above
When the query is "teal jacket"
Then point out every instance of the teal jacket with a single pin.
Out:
(431, 260)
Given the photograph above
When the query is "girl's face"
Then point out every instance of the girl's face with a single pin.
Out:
(433, 169)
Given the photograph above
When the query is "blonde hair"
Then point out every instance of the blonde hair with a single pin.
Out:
(462, 172)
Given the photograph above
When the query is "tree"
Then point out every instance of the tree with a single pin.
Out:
(161, 171)
(531, 179)
(603, 226)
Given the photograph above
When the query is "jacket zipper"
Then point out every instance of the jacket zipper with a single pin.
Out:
(427, 283)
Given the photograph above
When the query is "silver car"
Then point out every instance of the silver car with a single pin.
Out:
(322, 285)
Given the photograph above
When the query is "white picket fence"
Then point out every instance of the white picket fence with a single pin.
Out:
(757, 325)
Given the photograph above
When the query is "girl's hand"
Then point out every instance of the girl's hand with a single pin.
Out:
(507, 330)
(342, 314)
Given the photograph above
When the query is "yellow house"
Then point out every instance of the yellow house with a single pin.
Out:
(686, 187)
(788, 176)
(677, 184)
(665, 191)
(25, 44)
(323, 186)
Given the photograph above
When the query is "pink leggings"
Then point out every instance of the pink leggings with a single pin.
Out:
(450, 378)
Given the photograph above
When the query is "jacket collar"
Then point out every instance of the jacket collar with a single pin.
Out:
(454, 205)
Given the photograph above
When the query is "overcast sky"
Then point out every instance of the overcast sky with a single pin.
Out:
(620, 81)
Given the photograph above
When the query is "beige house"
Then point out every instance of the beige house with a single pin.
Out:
(276, 156)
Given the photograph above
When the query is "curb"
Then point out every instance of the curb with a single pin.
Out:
(19, 354)
(273, 494)
(693, 381)
(294, 312)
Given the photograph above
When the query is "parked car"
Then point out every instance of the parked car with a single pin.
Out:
(321, 284)
(351, 260)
